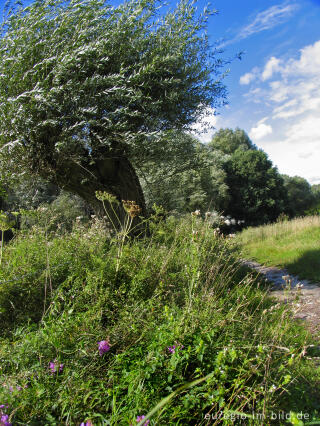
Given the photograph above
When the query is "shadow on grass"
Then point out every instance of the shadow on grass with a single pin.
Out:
(307, 266)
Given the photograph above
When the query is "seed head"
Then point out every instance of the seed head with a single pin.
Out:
(131, 208)
(105, 196)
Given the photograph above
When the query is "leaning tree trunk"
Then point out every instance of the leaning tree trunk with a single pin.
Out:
(113, 175)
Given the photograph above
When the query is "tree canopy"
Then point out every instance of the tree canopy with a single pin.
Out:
(228, 141)
(257, 193)
(86, 88)
(300, 195)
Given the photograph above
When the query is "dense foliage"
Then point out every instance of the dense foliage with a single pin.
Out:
(86, 89)
(228, 141)
(84, 340)
(300, 196)
(256, 188)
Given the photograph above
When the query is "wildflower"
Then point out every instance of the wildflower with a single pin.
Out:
(88, 423)
(172, 349)
(208, 214)
(131, 208)
(4, 420)
(195, 213)
(103, 347)
(140, 418)
(55, 368)
(103, 195)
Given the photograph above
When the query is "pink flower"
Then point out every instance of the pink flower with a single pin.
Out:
(103, 347)
(55, 368)
(140, 418)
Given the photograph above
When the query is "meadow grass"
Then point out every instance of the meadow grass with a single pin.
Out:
(293, 244)
(186, 335)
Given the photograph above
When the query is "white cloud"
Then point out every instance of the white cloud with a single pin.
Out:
(305, 155)
(287, 156)
(271, 67)
(305, 131)
(298, 92)
(268, 19)
(260, 131)
(289, 91)
(247, 78)
(250, 76)
(315, 179)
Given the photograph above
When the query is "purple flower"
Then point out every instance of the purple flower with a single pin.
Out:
(4, 420)
(103, 347)
(172, 349)
(88, 423)
(55, 368)
(140, 418)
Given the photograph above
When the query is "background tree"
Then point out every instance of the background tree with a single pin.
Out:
(257, 194)
(228, 141)
(300, 195)
(189, 177)
(86, 89)
(30, 193)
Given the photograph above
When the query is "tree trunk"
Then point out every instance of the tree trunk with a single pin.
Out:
(113, 175)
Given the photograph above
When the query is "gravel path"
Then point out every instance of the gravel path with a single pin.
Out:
(302, 294)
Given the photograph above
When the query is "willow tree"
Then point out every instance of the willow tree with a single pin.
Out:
(87, 90)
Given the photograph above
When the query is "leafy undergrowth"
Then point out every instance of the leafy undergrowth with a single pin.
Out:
(176, 318)
(294, 245)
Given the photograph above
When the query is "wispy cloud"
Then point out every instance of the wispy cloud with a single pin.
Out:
(268, 19)
(265, 20)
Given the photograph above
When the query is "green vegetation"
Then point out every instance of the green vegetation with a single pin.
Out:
(176, 318)
(88, 90)
(293, 244)
(98, 327)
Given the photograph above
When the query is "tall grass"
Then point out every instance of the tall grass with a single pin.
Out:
(294, 245)
(192, 338)
(279, 229)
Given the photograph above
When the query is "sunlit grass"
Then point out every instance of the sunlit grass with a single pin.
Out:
(293, 244)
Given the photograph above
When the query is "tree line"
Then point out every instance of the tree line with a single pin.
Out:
(228, 175)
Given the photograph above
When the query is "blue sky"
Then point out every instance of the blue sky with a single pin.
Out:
(274, 91)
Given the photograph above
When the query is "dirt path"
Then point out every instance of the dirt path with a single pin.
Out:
(302, 294)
